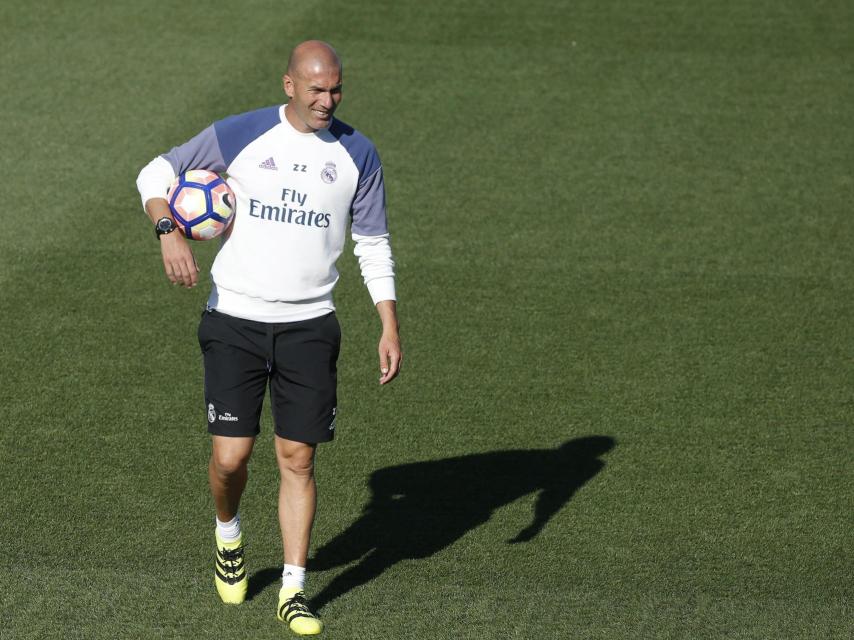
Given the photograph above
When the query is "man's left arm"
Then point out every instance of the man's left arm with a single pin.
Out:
(390, 350)
(377, 266)
(373, 249)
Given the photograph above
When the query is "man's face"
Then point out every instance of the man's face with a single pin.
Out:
(314, 95)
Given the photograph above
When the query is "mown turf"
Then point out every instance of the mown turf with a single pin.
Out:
(621, 228)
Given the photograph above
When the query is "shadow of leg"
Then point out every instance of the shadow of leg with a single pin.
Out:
(349, 545)
(262, 579)
(366, 570)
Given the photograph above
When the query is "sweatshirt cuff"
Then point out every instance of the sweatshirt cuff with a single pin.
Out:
(382, 289)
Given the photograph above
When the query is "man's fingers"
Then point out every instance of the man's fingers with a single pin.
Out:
(179, 261)
(389, 364)
(183, 272)
(383, 363)
(394, 362)
(190, 273)
(171, 273)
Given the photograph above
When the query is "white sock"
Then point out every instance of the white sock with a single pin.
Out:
(293, 576)
(229, 531)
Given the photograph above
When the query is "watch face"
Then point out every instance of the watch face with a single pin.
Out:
(164, 225)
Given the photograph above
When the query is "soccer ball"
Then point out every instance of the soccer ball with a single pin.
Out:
(201, 203)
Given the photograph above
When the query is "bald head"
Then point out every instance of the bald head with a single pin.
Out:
(312, 56)
(313, 84)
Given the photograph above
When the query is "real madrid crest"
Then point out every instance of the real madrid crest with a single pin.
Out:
(329, 173)
(211, 413)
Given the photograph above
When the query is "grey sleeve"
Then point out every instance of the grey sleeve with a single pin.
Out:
(200, 152)
(368, 210)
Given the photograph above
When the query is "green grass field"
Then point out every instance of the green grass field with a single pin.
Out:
(625, 250)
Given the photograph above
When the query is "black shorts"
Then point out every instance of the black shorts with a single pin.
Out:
(297, 359)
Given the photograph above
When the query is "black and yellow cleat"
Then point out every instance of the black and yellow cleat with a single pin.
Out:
(230, 571)
(293, 609)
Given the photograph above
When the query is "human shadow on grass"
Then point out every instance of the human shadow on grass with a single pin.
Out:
(421, 508)
(262, 579)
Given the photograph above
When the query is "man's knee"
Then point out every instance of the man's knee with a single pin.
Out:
(295, 458)
(230, 456)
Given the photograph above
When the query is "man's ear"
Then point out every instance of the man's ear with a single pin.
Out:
(288, 85)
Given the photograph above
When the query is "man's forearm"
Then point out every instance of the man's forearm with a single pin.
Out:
(388, 315)
(157, 208)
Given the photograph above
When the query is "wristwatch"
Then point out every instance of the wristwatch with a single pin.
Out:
(163, 226)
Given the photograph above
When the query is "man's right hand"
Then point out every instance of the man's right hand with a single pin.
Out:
(178, 259)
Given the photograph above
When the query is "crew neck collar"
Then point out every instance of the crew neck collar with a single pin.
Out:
(297, 132)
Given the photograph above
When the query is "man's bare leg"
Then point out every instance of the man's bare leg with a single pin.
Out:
(227, 473)
(297, 498)
(297, 503)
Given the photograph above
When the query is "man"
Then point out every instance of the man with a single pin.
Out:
(299, 176)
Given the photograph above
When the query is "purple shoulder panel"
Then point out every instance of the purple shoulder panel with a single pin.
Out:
(200, 152)
(235, 133)
(361, 149)
(368, 208)
(218, 145)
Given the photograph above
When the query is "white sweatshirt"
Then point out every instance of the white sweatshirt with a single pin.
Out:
(296, 194)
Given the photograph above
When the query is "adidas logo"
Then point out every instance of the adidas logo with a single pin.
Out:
(269, 163)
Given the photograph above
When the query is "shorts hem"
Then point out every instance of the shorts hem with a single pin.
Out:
(306, 438)
(233, 433)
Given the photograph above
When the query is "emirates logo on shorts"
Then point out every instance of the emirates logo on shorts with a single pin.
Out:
(211, 413)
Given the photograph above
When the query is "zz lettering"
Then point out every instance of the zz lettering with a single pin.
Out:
(300, 168)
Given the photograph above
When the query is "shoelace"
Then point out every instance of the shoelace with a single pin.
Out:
(232, 559)
(296, 605)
